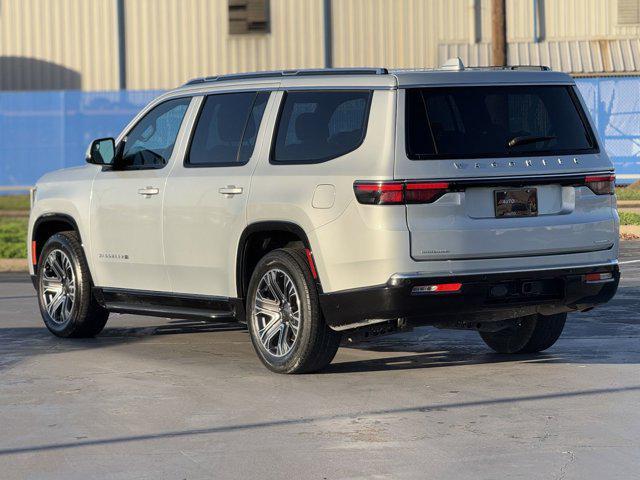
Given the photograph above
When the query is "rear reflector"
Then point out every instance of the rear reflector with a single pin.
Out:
(437, 288)
(312, 265)
(601, 184)
(603, 277)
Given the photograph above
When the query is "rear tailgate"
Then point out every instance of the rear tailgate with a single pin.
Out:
(523, 172)
(463, 224)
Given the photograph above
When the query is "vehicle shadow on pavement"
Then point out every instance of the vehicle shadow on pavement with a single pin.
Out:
(18, 343)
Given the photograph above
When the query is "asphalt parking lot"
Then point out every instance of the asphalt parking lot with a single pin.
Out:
(154, 399)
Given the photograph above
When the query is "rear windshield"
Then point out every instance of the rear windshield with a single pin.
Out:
(495, 121)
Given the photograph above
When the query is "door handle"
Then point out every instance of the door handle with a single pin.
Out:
(230, 190)
(148, 191)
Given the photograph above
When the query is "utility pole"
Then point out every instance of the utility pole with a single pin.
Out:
(328, 35)
(122, 45)
(499, 33)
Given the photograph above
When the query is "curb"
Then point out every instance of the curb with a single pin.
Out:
(13, 265)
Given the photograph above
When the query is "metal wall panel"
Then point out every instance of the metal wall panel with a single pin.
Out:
(58, 44)
(171, 41)
(399, 33)
(568, 20)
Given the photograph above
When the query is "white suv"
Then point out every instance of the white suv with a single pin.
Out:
(310, 204)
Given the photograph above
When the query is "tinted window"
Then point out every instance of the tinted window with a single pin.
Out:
(317, 126)
(500, 121)
(150, 143)
(227, 129)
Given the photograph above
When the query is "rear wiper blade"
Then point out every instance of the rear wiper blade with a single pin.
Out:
(515, 141)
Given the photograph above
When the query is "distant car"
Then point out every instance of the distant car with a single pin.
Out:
(317, 203)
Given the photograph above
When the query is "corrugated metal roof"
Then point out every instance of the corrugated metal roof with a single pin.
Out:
(577, 57)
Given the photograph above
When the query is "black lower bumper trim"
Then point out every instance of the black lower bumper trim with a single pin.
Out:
(489, 297)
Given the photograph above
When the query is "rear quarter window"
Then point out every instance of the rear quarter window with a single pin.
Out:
(317, 126)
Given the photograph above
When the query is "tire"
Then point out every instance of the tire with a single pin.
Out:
(530, 334)
(303, 342)
(62, 267)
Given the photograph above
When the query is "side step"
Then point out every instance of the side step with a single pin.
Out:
(169, 305)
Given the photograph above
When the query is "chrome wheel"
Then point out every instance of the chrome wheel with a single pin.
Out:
(276, 312)
(58, 286)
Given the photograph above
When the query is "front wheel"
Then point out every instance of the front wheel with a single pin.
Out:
(286, 324)
(530, 334)
(67, 305)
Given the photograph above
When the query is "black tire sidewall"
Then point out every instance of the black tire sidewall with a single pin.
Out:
(308, 306)
(71, 326)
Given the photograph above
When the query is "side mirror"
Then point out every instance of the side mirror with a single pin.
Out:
(101, 151)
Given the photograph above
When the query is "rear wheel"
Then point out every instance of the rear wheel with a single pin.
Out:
(530, 334)
(286, 324)
(66, 302)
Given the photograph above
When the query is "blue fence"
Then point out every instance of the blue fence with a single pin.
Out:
(614, 104)
(44, 131)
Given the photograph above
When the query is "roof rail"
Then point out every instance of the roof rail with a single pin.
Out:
(288, 73)
(542, 68)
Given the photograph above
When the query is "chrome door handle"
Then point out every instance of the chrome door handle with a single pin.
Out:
(230, 190)
(148, 191)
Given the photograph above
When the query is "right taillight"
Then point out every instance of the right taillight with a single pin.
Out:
(399, 193)
(601, 184)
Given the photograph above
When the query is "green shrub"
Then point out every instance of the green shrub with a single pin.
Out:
(13, 237)
(629, 218)
(14, 202)
(628, 193)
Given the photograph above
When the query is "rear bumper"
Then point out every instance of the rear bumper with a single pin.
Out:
(547, 292)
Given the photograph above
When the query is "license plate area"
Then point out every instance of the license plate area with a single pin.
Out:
(516, 202)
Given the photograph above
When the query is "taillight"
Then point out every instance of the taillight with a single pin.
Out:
(601, 184)
(379, 193)
(425, 192)
(398, 193)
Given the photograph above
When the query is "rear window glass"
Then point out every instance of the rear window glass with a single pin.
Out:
(495, 121)
(227, 127)
(318, 126)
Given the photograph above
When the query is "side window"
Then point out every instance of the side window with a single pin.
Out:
(150, 143)
(316, 126)
(227, 128)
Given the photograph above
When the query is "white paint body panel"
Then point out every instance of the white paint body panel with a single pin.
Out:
(185, 240)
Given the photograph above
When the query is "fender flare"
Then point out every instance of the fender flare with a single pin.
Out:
(266, 226)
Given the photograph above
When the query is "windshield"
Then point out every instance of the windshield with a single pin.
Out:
(495, 121)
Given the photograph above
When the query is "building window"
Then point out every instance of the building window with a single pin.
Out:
(248, 16)
(628, 12)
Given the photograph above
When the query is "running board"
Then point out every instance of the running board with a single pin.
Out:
(169, 305)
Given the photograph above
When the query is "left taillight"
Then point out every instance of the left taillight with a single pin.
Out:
(379, 193)
(601, 184)
(399, 193)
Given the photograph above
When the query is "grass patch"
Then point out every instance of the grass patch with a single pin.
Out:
(628, 193)
(13, 237)
(14, 202)
(629, 218)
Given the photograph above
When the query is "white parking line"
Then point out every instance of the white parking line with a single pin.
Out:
(629, 261)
